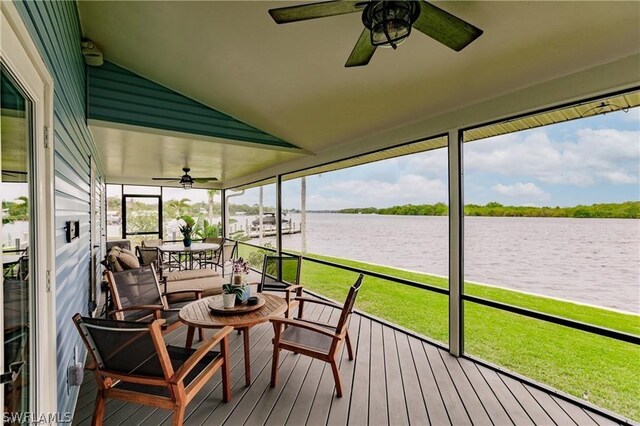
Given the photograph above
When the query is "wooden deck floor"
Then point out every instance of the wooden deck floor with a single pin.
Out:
(396, 379)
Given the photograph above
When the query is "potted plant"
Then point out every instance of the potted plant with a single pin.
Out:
(239, 269)
(229, 292)
(185, 225)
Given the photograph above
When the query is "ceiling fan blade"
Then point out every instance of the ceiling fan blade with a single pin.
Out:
(442, 26)
(167, 179)
(13, 173)
(362, 51)
(205, 180)
(302, 12)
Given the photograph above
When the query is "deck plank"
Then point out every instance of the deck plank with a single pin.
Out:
(378, 410)
(576, 413)
(602, 421)
(260, 385)
(454, 405)
(339, 411)
(495, 410)
(396, 399)
(515, 411)
(467, 393)
(84, 405)
(436, 409)
(416, 407)
(551, 407)
(528, 402)
(359, 408)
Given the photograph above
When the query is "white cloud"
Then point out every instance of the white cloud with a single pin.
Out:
(431, 163)
(522, 190)
(595, 155)
(358, 193)
(619, 178)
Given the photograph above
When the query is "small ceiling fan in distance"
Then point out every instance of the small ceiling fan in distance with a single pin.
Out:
(386, 23)
(186, 180)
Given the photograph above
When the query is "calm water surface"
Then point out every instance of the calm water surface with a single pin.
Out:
(595, 261)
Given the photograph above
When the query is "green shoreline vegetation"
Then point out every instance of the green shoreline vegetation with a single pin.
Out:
(626, 210)
(569, 360)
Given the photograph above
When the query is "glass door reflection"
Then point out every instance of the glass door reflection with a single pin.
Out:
(15, 191)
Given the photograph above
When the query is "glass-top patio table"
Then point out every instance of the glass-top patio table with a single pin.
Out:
(183, 257)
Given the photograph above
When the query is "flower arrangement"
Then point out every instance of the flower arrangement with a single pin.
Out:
(240, 267)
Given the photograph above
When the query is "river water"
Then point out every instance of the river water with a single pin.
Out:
(594, 261)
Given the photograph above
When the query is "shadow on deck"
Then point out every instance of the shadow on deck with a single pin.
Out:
(396, 379)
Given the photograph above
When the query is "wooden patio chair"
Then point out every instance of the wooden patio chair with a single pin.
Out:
(136, 296)
(132, 363)
(147, 255)
(282, 273)
(222, 256)
(317, 340)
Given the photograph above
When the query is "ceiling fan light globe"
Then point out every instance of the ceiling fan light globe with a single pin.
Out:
(390, 21)
(397, 34)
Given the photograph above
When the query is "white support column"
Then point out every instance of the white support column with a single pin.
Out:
(224, 219)
(278, 222)
(279, 214)
(456, 248)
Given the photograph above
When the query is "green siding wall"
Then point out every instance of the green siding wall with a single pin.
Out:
(55, 29)
(118, 95)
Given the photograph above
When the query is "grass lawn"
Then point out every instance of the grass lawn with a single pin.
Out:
(570, 360)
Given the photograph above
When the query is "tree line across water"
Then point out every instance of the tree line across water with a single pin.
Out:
(626, 210)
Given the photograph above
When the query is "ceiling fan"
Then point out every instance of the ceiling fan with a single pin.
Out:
(387, 23)
(186, 180)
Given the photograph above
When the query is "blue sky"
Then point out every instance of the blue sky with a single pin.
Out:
(586, 161)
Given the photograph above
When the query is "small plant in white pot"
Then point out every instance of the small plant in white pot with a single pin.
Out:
(229, 293)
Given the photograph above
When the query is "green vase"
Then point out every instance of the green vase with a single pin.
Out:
(187, 242)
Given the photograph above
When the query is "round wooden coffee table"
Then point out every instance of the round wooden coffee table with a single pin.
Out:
(197, 314)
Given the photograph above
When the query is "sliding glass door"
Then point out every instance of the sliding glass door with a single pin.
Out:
(17, 243)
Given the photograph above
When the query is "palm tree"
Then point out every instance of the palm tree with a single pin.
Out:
(178, 207)
(211, 193)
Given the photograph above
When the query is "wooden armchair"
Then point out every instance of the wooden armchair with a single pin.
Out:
(147, 255)
(282, 273)
(317, 340)
(132, 363)
(136, 296)
(225, 254)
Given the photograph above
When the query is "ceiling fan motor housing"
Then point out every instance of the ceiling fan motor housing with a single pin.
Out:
(390, 21)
